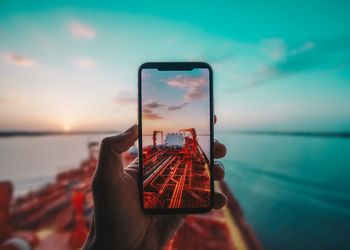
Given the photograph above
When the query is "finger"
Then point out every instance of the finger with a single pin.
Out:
(121, 142)
(218, 171)
(220, 200)
(219, 149)
(215, 119)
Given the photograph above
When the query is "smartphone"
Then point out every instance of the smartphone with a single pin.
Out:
(175, 113)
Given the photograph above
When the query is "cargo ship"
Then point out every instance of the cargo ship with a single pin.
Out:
(176, 172)
(58, 215)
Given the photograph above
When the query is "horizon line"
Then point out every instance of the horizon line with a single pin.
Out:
(29, 133)
(14, 133)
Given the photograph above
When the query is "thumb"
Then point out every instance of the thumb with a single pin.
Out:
(127, 139)
(107, 175)
(110, 163)
(120, 143)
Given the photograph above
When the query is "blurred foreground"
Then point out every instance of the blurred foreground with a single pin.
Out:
(58, 216)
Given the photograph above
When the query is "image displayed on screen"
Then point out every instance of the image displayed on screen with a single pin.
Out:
(175, 138)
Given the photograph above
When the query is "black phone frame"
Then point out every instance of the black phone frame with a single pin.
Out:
(176, 66)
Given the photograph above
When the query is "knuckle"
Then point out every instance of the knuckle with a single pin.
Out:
(219, 164)
(220, 149)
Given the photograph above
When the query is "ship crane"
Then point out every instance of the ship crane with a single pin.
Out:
(155, 132)
(190, 147)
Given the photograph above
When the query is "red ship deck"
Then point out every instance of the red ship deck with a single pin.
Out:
(58, 215)
(176, 176)
(172, 180)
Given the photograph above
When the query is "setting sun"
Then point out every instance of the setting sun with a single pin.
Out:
(67, 127)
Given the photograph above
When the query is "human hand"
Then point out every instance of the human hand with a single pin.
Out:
(119, 221)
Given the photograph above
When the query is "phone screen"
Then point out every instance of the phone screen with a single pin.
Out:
(176, 138)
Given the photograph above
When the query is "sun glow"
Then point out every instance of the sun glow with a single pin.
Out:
(67, 128)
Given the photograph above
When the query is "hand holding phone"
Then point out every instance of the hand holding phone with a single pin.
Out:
(119, 220)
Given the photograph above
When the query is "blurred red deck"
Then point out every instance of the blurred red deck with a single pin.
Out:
(58, 215)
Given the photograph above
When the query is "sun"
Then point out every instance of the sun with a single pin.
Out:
(66, 128)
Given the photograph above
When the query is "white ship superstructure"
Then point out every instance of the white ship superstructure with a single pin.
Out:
(174, 140)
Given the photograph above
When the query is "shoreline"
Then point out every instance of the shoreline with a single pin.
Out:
(5, 134)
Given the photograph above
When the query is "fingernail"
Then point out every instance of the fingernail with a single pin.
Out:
(216, 141)
(220, 164)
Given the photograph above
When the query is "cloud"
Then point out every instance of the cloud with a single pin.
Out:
(85, 63)
(196, 87)
(323, 55)
(151, 116)
(311, 56)
(298, 57)
(8, 100)
(80, 30)
(177, 107)
(129, 99)
(126, 98)
(306, 46)
(280, 54)
(19, 60)
(152, 105)
(274, 48)
(147, 111)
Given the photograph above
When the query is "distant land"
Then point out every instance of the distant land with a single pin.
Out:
(295, 133)
(343, 134)
(46, 133)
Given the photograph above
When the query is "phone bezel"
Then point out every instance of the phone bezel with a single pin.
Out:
(176, 66)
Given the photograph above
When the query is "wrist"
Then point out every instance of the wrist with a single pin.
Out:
(106, 241)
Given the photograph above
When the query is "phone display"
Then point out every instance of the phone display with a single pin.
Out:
(175, 137)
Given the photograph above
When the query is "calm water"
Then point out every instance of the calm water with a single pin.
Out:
(33, 161)
(295, 191)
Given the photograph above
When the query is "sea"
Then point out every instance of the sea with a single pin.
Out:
(294, 190)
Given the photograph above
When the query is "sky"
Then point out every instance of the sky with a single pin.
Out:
(174, 100)
(72, 65)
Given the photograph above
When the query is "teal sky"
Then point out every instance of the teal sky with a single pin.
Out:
(73, 64)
